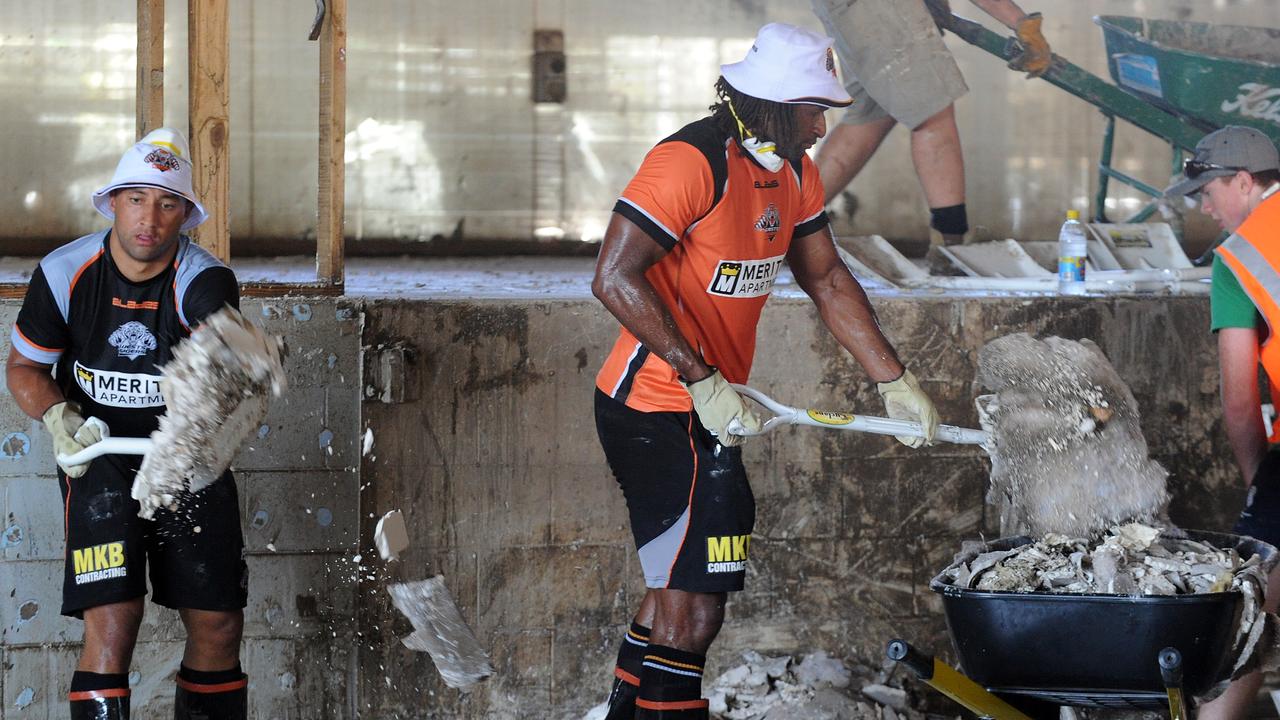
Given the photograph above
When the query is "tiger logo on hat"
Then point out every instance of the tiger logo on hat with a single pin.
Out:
(831, 63)
(162, 160)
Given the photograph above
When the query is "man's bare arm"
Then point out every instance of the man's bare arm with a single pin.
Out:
(1238, 361)
(620, 284)
(842, 304)
(1006, 12)
(31, 384)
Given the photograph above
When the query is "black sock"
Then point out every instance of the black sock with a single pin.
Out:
(626, 675)
(671, 684)
(950, 220)
(81, 681)
(96, 693)
(631, 654)
(210, 677)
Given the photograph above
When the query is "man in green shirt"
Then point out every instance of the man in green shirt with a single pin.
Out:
(1235, 173)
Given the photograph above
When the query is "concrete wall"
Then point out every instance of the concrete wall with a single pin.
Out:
(488, 446)
(505, 490)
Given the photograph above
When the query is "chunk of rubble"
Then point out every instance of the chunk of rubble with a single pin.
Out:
(1067, 452)
(440, 630)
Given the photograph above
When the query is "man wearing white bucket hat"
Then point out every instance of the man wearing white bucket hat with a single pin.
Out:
(695, 243)
(106, 310)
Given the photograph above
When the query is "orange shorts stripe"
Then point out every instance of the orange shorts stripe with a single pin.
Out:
(671, 704)
(209, 689)
(626, 677)
(95, 694)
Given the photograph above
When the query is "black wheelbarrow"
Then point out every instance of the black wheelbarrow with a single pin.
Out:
(1025, 654)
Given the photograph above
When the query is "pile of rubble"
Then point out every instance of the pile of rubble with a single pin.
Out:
(813, 686)
(1132, 559)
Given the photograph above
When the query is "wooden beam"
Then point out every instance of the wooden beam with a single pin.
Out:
(333, 130)
(149, 100)
(209, 50)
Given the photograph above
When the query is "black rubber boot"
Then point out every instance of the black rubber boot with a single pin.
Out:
(226, 705)
(102, 708)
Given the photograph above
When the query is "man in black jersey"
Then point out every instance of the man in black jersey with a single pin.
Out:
(102, 314)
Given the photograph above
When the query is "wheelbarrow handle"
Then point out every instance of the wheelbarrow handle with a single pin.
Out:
(108, 446)
(787, 415)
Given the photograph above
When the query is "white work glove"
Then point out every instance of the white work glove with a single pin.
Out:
(72, 433)
(904, 400)
(717, 405)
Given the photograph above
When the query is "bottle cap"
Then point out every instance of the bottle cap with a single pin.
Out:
(1073, 214)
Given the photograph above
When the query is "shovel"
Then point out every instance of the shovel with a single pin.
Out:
(787, 415)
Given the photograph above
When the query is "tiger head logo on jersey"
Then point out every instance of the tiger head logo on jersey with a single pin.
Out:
(132, 340)
(162, 160)
(769, 221)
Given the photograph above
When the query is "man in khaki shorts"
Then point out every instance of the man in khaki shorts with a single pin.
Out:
(898, 70)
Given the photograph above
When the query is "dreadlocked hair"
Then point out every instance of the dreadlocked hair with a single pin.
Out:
(763, 119)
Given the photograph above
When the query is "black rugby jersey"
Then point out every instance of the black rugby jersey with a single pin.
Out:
(108, 336)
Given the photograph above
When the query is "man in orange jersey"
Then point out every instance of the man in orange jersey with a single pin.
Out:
(691, 253)
(1236, 174)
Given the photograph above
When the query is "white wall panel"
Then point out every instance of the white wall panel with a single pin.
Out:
(443, 139)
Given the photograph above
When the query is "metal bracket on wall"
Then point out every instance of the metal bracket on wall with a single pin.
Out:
(549, 79)
(391, 373)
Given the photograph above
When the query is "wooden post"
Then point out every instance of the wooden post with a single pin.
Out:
(333, 130)
(150, 88)
(208, 47)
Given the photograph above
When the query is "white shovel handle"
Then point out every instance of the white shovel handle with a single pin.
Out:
(107, 446)
(787, 415)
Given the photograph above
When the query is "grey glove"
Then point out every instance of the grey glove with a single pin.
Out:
(717, 405)
(71, 433)
(904, 400)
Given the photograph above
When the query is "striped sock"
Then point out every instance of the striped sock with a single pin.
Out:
(626, 676)
(671, 685)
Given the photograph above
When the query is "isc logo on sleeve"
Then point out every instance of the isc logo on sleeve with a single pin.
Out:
(745, 278)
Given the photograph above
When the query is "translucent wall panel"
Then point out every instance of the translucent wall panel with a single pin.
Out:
(443, 139)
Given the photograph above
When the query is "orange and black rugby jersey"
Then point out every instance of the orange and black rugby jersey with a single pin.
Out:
(107, 336)
(727, 222)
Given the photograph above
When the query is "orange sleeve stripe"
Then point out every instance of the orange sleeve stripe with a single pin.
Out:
(671, 704)
(34, 344)
(76, 278)
(211, 689)
(95, 694)
(626, 677)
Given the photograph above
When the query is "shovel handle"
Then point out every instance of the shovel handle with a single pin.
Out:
(787, 415)
(107, 446)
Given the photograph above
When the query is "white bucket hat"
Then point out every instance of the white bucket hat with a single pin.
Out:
(789, 64)
(159, 160)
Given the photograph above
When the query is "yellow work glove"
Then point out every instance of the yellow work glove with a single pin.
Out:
(717, 405)
(1036, 55)
(904, 400)
(71, 433)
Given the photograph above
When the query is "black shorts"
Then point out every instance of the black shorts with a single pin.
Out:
(1260, 518)
(196, 554)
(691, 506)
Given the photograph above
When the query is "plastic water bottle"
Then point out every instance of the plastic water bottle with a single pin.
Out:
(1073, 250)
